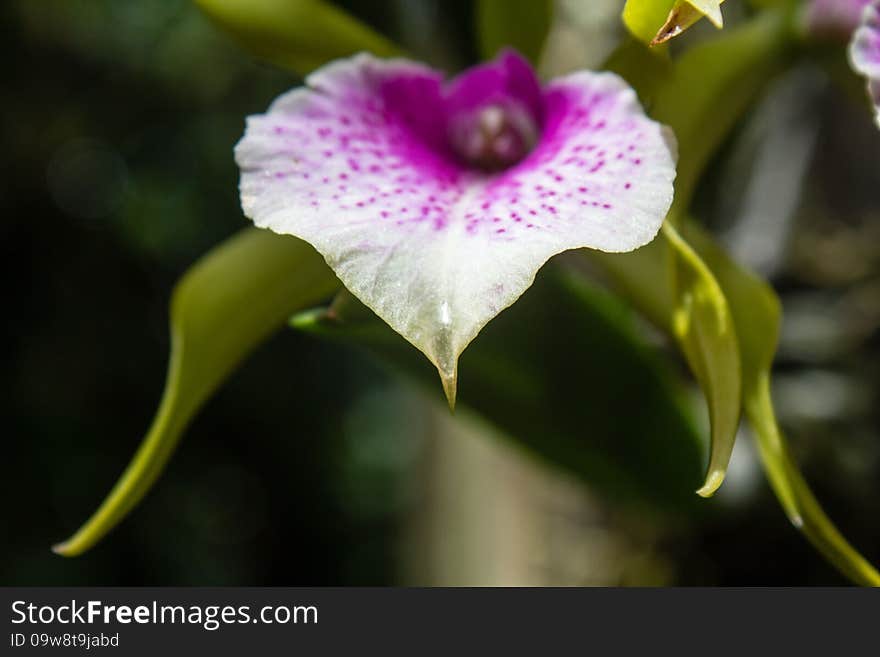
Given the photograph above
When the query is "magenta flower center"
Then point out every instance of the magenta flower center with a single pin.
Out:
(493, 137)
(488, 119)
(494, 113)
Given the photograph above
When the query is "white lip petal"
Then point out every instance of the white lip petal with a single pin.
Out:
(434, 249)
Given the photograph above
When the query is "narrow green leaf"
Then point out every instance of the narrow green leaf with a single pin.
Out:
(522, 24)
(702, 324)
(756, 314)
(560, 373)
(701, 96)
(300, 35)
(223, 307)
(671, 285)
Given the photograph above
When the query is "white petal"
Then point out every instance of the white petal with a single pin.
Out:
(434, 249)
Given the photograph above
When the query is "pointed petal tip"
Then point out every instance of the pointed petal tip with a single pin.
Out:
(713, 482)
(450, 387)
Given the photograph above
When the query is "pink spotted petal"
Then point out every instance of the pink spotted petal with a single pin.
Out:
(865, 52)
(356, 164)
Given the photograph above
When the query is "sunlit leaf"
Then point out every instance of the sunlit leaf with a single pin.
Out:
(300, 35)
(522, 24)
(703, 326)
(674, 289)
(223, 307)
(701, 96)
(560, 373)
(756, 314)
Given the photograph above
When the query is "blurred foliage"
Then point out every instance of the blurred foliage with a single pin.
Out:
(520, 25)
(701, 322)
(296, 34)
(155, 91)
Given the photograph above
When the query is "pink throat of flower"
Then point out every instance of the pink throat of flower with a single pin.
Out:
(494, 113)
(488, 119)
(493, 137)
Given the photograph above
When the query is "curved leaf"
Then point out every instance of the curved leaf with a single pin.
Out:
(223, 307)
(756, 314)
(560, 373)
(701, 96)
(702, 324)
(671, 285)
(300, 35)
(522, 24)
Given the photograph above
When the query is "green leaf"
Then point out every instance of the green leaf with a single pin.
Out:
(300, 35)
(560, 373)
(671, 285)
(701, 96)
(702, 324)
(223, 307)
(522, 24)
(756, 314)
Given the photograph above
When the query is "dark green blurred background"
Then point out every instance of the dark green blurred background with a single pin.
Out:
(312, 465)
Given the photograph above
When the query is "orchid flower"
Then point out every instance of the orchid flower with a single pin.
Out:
(437, 203)
(865, 52)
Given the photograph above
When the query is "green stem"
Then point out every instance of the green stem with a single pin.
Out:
(801, 507)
